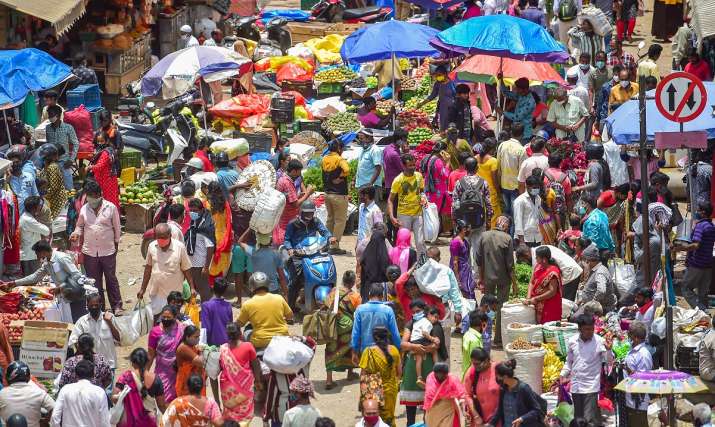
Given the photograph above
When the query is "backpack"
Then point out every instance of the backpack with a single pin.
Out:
(426, 166)
(471, 201)
(558, 188)
(567, 10)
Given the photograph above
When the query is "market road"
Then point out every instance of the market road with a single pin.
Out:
(340, 403)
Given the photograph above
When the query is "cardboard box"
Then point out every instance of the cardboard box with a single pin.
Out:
(44, 364)
(43, 335)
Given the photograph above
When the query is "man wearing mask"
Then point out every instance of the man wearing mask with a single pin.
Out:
(371, 415)
(600, 75)
(305, 225)
(525, 104)
(526, 214)
(22, 175)
(623, 92)
(167, 265)
(583, 71)
(187, 38)
(49, 98)
(567, 114)
(577, 89)
(100, 325)
(444, 91)
(286, 185)
(99, 230)
(63, 135)
(605, 92)
(369, 170)
(335, 181)
(460, 113)
(60, 267)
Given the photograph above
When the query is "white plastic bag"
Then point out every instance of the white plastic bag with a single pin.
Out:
(211, 362)
(433, 278)
(327, 107)
(570, 269)
(599, 21)
(117, 411)
(134, 325)
(624, 276)
(430, 222)
(269, 207)
(286, 355)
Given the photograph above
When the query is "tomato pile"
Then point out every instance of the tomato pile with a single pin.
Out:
(15, 333)
(412, 119)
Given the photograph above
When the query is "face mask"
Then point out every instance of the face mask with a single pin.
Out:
(440, 78)
(534, 191)
(697, 215)
(625, 84)
(194, 215)
(600, 65)
(581, 211)
(167, 323)
(491, 315)
(371, 419)
(94, 312)
(584, 67)
(418, 316)
(53, 120)
(94, 202)
(163, 242)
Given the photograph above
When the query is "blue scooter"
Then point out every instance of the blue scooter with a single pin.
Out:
(319, 275)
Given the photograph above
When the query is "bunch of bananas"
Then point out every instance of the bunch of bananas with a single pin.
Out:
(552, 367)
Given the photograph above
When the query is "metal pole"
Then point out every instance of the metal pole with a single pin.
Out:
(645, 264)
(203, 105)
(7, 127)
(394, 93)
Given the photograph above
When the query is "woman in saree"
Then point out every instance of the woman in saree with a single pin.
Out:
(239, 370)
(411, 395)
(193, 410)
(221, 214)
(189, 360)
(103, 168)
(442, 393)
(338, 355)
(488, 171)
(460, 249)
(162, 343)
(403, 255)
(549, 222)
(146, 395)
(482, 388)
(56, 195)
(614, 204)
(545, 287)
(380, 372)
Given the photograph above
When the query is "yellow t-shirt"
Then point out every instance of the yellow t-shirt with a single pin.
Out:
(267, 313)
(409, 192)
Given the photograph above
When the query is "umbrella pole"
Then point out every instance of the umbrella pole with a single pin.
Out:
(500, 116)
(394, 93)
(203, 105)
(7, 127)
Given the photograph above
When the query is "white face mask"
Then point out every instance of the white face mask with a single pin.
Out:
(584, 67)
(534, 192)
(53, 120)
(185, 36)
(625, 84)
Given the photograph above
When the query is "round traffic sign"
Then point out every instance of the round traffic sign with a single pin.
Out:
(680, 97)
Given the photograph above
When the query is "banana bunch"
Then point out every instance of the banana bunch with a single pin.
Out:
(552, 367)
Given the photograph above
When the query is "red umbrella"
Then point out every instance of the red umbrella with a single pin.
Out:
(484, 69)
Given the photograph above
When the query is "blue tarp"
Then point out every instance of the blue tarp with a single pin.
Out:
(380, 41)
(296, 15)
(28, 70)
(501, 35)
(624, 126)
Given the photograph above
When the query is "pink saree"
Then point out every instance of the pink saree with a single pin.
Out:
(236, 383)
(440, 404)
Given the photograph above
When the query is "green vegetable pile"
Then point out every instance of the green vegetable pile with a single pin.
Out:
(523, 277)
(371, 82)
(342, 122)
(428, 108)
(425, 86)
(333, 75)
(314, 176)
(419, 135)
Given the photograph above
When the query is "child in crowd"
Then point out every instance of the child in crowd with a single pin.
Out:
(216, 313)
(567, 238)
(176, 299)
(31, 232)
(473, 337)
(421, 334)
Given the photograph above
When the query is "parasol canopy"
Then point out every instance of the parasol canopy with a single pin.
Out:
(383, 40)
(28, 70)
(484, 68)
(661, 382)
(177, 72)
(624, 128)
(501, 35)
(435, 4)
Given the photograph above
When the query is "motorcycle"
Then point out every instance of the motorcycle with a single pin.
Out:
(246, 28)
(131, 108)
(337, 11)
(279, 34)
(318, 270)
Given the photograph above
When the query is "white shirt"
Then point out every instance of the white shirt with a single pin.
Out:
(638, 359)
(537, 160)
(81, 404)
(493, 7)
(31, 231)
(190, 42)
(581, 93)
(176, 232)
(583, 363)
(419, 328)
(26, 399)
(104, 342)
(210, 42)
(646, 318)
(618, 168)
(526, 218)
(583, 76)
(367, 217)
(380, 423)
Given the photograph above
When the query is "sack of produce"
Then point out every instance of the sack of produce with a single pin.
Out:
(527, 332)
(269, 207)
(568, 307)
(529, 362)
(430, 222)
(599, 21)
(516, 312)
(232, 147)
(558, 334)
(286, 355)
(433, 278)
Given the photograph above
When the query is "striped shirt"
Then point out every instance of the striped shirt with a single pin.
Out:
(704, 233)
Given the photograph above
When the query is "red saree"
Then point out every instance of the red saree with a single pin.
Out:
(546, 310)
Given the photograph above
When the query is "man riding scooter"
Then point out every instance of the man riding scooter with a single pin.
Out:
(297, 230)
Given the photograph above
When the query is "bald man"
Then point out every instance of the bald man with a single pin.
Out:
(167, 266)
(371, 415)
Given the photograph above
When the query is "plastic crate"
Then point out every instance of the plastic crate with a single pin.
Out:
(687, 359)
(313, 125)
(288, 130)
(307, 4)
(257, 142)
(280, 101)
(282, 116)
(94, 114)
(87, 95)
(326, 90)
(304, 88)
(130, 158)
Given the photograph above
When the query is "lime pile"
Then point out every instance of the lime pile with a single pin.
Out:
(141, 192)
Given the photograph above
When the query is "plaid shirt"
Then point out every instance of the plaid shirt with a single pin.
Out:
(85, 75)
(63, 136)
(626, 59)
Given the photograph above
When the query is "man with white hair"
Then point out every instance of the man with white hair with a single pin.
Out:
(702, 415)
(187, 37)
(567, 114)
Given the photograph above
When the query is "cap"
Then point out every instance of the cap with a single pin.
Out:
(307, 206)
(591, 253)
(186, 29)
(196, 163)
(571, 73)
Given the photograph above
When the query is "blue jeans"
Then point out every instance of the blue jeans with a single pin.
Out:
(509, 196)
(67, 175)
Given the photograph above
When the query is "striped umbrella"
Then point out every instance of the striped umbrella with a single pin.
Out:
(176, 73)
(661, 382)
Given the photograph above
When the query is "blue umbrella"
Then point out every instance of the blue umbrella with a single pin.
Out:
(435, 4)
(501, 35)
(387, 40)
(624, 128)
(28, 70)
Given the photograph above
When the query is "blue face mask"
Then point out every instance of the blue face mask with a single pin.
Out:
(194, 215)
(491, 314)
(697, 216)
(581, 211)
(418, 316)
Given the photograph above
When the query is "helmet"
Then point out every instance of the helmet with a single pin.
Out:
(186, 29)
(393, 272)
(48, 150)
(257, 281)
(221, 158)
(17, 371)
(195, 163)
(16, 420)
(307, 206)
(594, 151)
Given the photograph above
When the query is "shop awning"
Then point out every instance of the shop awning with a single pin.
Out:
(60, 13)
